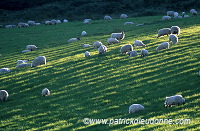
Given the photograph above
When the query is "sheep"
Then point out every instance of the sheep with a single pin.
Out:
(45, 92)
(170, 13)
(118, 36)
(102, 49)
(132, 53)
(10, 26)
(23, 65)
(173, 38)
(128, 23)
(85, 45)
(194, 12)
(87, 54)
(4, 95)
(176, 14)
(123, 16)
(58, 22)
(126, 48)
(107, 17)
(199, 73)
(174, 100)
(31, 23)
(21, 61)
(135, 108)
(164, 45)
(53, 22)
(37, 23)
(23, 24)
(40, 60)
(83, 33)
(97, 44)
(31, 47)
(73, 40)
(4, 70)
(24, 51)
(166, 18)
(164, 31)
(139, 43)
(86, 21)
(186, 16)
(144, 52)
(112, 40)
(175, 30)
(65, 21)
(140, 24)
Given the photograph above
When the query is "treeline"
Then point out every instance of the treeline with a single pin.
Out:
(23, 10)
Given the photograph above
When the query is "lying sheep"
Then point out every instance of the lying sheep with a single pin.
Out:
(86, 21)
(174, 100)
(173, 38)
(135, 108)
(21, 61)
(58, 22)
(102, 49)
(164, 45)
(175, 30)
(31, 47)
(4, 95)
(24, 51)
(123, 16)
(112, 40)
(73, 40)
(126, 48)
(128, 23)
(170, 13)
(83, 33)
(23, 65)
(87, 54)
(40, 60)
(164, 31)
(45, 92)
(139, 43)
(107, 17)
(118, 36)
(132, 53)
(97, 44)
(65, 21)
(164, 18)
(85, 45)
(144, 52)
(140, 24)
(4, 70)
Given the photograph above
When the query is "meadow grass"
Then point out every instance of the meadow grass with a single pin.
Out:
(100, 86)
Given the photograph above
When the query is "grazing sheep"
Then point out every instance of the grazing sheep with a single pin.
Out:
(170, 13)
(175, 30)
(87, 54)
(83, 33)
(65, 21)
(139, 43)
(85, 45)
(174, 100)
(40, 60)
(73, 40)
(164, 45)
(31, 23)
(4, 70)
(128, 23)
(4, 95)
(23, 24)
(107, 17)
(126, 48)
(123, 16)
(118, 36)
(173, 38)
(132, 53)
(23, 65)
(21, 61)
(102, 49)
(164, 31)
(112, 40)
(144, 52)
(97, 44)
(31, 47)
(45, 92)
(166, 18)
(52, 22)
(135, 108)
(24, 51)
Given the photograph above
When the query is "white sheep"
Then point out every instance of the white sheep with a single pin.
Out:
(37, 23)
(102, 49)
(9, 26)
(4, 70)
(135, 108)
(126, 48)
(139, 43)
(87, 54)
(194, 13)
(45, 92)
(132, 53)
(112, 40)
(107, 17)
(118, 36)
(21, 24)
(170, 13)
(166, 18)
(164, 45)
(176, 14)
(85, 45)
(40, 60)
(21, 61)
(23, 65)
(97, 44)
(53, 22)
(58, 22)
(73, 40)
(31, 47)
(128, 23)
(86, 21)
(83, 33)
(164, 31)
(175, 30)
(174, 100)
(173, 38)
(65, 21)
(140, 24)
(31, 23)
(123, 16)
(192, 10)
(4, 95)
(186, 16)
(24, 51)
(144, 52)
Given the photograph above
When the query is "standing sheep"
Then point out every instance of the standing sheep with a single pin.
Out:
(4, 95)
(40, 60)
(31, 23)
(87, 54)
(164, 31)
(123, 16)
(73, 40)
(135, 107)
(139, 43)
(174, 100)
(83, 33)
(45, 92)
(170, 13)
(164, 45)
(97, 44)
(175, 30)
(164, 18)
(112, 40)
(31, 47)
(102, 49)
(118, 36)
(173, 38)
(126, 48)
(132, 53)
(4, 70)
(144, 52)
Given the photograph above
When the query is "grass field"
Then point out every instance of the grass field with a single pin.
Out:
(100, 86)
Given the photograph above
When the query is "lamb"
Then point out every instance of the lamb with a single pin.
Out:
(164, 45)
(164, 31)
(45, 92)
(24, 51)
(40, 60)
(126, 48)
(173, 38)
(132, 53)
(139, 43)
(23, 65)
(4, 95)
(144, 52)
(85, 45)
(102, 49)
(73, 40)
(174, 100)
(128, 23)
(87, 54)
(21, 61)
(83, 33)
(123, 16)
(31, 47)
(97, 44)
(112, 40)
(170, 13)
(175, 30)
(4, 70)
(135, 108)
(118, 36)
(166, 18)
(107, 17)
